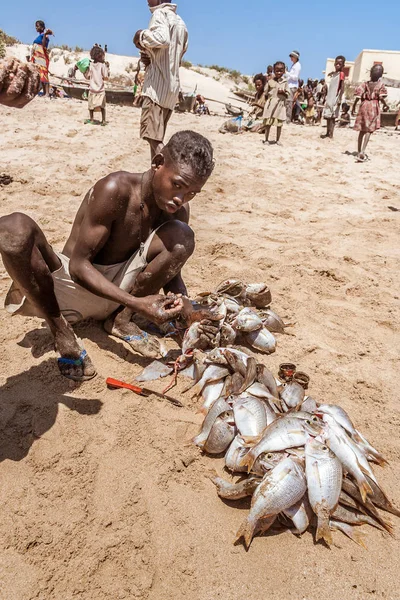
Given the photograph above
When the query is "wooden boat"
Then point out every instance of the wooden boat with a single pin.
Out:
(123, 97)
(388, 118)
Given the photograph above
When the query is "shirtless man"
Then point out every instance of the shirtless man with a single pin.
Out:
(130, 238)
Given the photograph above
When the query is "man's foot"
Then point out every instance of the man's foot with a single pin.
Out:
(140, 341)
(74, 362)
(325, 136)
(89, 122)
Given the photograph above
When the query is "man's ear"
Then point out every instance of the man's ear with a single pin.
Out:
(158, 161)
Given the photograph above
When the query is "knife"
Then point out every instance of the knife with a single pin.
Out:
(141, 391)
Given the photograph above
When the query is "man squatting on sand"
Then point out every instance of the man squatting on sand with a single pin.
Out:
(130, 239)
(162, 48)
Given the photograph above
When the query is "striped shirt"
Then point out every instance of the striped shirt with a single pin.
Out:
(165, 41)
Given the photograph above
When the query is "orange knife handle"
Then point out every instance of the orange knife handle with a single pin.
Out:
(121, 384)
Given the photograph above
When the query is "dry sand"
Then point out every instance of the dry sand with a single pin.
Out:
(101, 495)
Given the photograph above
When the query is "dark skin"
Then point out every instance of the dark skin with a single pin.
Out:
(106, 231)
(279, 71)
(330, 123)
(364, 136)
(47, 33)
(19, 83)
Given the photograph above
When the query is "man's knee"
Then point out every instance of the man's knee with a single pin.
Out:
(179, 239)
(17, 233)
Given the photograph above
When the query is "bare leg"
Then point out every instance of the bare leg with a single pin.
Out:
(103, 116)
(30, 260)
(360, 141)
(278, 134)
(170, 249)
(155, 147)
(367, 137)
(267, 132)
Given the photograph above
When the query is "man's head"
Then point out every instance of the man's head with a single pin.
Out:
(270, 69)
(345, 107)
(181, 169)
(294, 56)
(40, 26)
(259, 81)
(340, 61)
(376, 72)
(97, 54)
(279, 69)
(154, 3)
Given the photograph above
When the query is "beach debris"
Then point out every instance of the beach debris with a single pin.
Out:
(302, 462)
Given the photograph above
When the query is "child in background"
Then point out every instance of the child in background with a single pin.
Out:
(276, 92)
(310, 110)
(334, 96)
(344, 120)
(97, 73)
(369, 116)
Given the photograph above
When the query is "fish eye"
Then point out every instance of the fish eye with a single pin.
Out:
(269, 455)
(315, 419)
(324, 448)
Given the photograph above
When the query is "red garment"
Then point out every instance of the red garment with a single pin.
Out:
(369, 115)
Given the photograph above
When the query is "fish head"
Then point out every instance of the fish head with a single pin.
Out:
(313, 426)
(317, 449)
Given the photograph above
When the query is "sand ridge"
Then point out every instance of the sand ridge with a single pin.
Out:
(102, 496)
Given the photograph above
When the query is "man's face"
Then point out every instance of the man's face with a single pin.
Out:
(174, 185)
(339, 64)
(259, 85)
(153, 3)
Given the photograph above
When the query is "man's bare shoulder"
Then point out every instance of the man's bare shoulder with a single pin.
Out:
(119, 185)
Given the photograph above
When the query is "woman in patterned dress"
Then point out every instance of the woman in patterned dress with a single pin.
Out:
(368, 120)
(40, 55)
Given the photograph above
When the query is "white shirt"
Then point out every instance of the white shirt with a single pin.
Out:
(293, 75)
(165, 41)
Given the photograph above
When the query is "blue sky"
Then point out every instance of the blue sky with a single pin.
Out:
(243, 35)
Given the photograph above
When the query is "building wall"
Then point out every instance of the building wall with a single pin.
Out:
(366, 59)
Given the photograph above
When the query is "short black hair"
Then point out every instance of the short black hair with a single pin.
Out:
(41, 23)
(345, 106)
(280, 62)
(340, 57)
(192, 149)
(97, 53)
(260, 77)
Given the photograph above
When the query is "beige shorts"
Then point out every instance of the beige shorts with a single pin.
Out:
(96, 100)
(154, 120)
(75, 302)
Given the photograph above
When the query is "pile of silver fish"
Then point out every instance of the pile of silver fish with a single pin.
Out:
(244, 316)
(301, 461)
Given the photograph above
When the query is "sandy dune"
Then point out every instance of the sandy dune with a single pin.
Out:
(101, 495)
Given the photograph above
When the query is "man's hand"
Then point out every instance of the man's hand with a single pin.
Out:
(192, 313)
(145, 59)
(136, 39)
(159, 309)
(19, 82)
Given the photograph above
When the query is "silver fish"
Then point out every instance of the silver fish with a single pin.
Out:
(154, 371)
(324, 481)
(247, 320)
(293, 394)
(211, 392)
(347, 515)
(265, 377)
(228, 335)
(250, 416)
(261, 340)
(235, 453)
(365, 508)
(251, 374)
(339, 414)
(280, 489)
(233, 307)
(300, 514)
(378, 497)
(191, 338)
(221, 435)
(212, 374)
(231, 287)
(273, 322)
(258, 294)
(357, 536)
(267, 461)
(309, 404)
(371, 452)
(236, 491)
(219, 407)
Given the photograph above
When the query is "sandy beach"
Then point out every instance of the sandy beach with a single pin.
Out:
(103, 497)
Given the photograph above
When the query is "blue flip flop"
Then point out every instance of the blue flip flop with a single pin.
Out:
(136, 338)
(78, 362)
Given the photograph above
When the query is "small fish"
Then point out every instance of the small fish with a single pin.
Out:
(221, 435)
(154, 371)
(371, 452)
(339, 414)
(250, 417)
(347, 515)
(233, 307)
(265, 377)
(247, 321)
(309, 405)
(261, 340)
(324, 481)
(293, 394)
(300, 514)
(357, 536)
(378, 498)
(228, 335)
(219, 407)
(267, 461)
(260, 391)
(280, 489)
(258, 294)
(216, 356)
(365, 508)
(251, 374)
(235, 453)
(210, 393)
(236, 491)
(237, 383)
(231, 287)
(273, 322)
(191, 338)
(212, 374)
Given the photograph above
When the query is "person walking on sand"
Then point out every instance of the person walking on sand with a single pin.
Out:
(162, 47)
(40, 55)
(368, 120)
(334, 96)
(293, 77)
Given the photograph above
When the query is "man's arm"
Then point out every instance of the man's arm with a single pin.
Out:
(177, 285)
(157, 35)
(19, 82)
(101, 212)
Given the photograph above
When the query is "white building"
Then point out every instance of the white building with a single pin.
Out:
(358, 70)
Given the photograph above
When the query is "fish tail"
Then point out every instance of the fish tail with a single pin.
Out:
(351, 532)
(248, 461)
(199, 441)
(365, 488)
(323, 530)
(246, 531)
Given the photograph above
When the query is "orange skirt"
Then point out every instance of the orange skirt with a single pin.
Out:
(40, 57)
